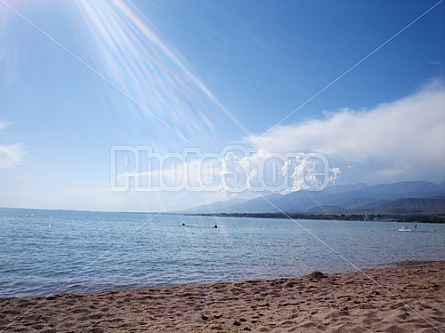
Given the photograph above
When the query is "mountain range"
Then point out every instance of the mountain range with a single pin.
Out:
(411, 197)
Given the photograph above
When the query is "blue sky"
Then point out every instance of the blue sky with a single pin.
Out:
(361, 82)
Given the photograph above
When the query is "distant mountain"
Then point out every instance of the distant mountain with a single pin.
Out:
(325, 209)
(219, 206)
(403, 197)
(413, 206)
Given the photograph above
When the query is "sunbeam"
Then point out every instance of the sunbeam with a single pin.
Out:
(152, 74)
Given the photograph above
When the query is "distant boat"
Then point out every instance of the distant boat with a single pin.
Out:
(404, 229)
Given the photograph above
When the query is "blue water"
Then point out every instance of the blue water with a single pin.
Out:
(44, 252)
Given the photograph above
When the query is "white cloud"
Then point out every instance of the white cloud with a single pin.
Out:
(401, 140)
(235, 169)
(4, 124)
(10, 155)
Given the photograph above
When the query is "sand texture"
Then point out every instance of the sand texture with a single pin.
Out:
(401, 299)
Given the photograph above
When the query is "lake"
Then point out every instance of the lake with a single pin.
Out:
(49, 251)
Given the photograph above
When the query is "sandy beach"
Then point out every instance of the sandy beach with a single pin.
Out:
(409, 298)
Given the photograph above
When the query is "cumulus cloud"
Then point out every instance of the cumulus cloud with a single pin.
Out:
(235, 169)
(402, 139)
(10, 155)
(259, 170)
(395, 141)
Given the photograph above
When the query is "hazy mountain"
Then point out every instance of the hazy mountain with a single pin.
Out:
(391, 198)
(325, 209)
(219, 206)
(413, 206)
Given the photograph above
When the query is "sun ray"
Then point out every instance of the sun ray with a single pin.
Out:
(151, 72)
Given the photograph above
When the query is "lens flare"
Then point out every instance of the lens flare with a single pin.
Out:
(152, 74)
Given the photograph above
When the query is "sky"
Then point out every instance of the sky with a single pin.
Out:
(89, 89)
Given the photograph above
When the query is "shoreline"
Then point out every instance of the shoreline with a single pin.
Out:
(405, 298)
(86, 289)
(365, 216)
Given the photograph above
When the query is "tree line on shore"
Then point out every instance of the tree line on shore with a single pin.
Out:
(418, 218)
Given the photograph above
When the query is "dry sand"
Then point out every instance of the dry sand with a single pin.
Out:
(401, 299)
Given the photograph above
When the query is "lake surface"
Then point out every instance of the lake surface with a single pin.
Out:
(45, 252)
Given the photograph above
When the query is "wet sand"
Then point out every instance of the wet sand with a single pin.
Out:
(401, 299)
